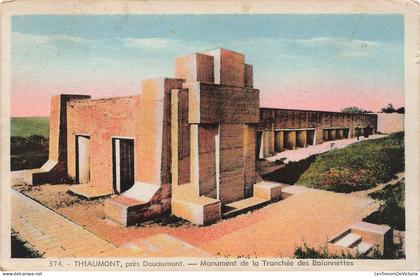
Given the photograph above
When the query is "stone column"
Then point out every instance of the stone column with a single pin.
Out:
(272, 141)
(267, 142)
(340, 133)
(331, 134)
(301, 138)
(325, 136)
(279, 141)
(290, 139)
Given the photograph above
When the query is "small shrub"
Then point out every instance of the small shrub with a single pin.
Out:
(306, 252)
(392, 210)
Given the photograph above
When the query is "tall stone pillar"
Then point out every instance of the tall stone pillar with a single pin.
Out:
(58, 125)
(55, 169)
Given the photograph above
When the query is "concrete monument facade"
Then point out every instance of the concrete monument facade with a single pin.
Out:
(186, 145)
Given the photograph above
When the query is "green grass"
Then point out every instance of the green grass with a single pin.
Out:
(357, 167)
(27, 126)
(29, 142)
(392, 209)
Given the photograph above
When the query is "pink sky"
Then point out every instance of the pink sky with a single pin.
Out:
(30, 98)
(330, 98)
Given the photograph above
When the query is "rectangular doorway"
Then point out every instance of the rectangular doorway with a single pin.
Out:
(259, 145)
(82, 159)
(122, 164)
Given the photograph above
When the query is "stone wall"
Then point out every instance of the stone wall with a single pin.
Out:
(144, 118)
(390, 122)
(293, 127)
(58, 125)
(101, 120)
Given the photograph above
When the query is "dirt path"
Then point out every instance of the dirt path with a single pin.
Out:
(53, 235)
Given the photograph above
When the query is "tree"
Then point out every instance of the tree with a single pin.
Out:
(388, 109)
(401, 110)
(354, 109)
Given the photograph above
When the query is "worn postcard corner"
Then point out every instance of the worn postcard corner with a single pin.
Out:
(255, 135)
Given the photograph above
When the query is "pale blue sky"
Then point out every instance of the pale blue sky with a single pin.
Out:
(113, 53)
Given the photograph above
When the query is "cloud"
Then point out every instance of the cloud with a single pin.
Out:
(355, 54)
(34, 39)
(349, 48)
(19, 38)
(167, 44)
(335, 41)
(153, 42)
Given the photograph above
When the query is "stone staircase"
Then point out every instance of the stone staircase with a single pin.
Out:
(264, 193)
(354, 241)
(243, 206)
(364, 247)
(349, 240)
(361, 237)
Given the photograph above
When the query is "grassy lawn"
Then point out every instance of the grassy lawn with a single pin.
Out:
(27, 126)
(28, 142)
(357, 167)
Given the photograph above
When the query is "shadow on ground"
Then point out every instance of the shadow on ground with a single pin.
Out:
(21, 249)
(291, 172)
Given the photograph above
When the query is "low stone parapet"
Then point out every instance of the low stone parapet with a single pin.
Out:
(142, 202)
(128, 211)
(379, 235)
(268, 190)
(52, 171)
(201, 211)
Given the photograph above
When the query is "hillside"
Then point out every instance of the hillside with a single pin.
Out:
(360, 166)
(27, 126)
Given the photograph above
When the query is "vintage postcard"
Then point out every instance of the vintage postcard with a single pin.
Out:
(210, 135)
